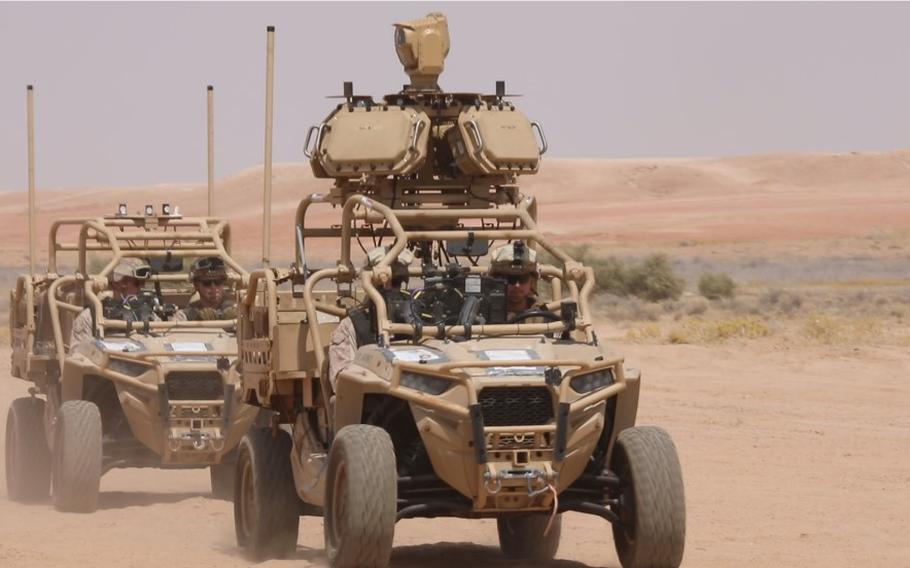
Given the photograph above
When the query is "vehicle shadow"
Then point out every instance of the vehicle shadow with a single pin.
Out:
(459, 554)
(438, 555)
(123, 499)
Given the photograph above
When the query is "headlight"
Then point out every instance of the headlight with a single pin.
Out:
(591, 382)
(425, 383)
(127, 367)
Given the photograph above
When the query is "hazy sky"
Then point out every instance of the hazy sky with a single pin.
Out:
(120, 88)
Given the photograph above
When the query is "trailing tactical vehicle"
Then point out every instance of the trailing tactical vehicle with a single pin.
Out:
(453, 404)
(139, 389)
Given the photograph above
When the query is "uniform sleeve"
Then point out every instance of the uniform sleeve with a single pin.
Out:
(82, 328)
(343, 348)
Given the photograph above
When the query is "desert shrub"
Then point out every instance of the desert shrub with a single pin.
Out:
(696, 330)
(609, 271)
(646, 333)
(609, 275)
(654, 280)
(830, 330)
(780, 301)
(715, 286)
(696, 308)
(618, 308)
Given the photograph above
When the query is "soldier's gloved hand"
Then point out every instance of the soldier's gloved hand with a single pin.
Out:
(207, 314)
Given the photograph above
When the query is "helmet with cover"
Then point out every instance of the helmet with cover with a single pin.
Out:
(513, 259)
(208, 267)
(130, 268)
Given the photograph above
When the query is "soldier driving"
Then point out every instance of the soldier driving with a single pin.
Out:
(126, 281)
(209, 276)
(517, 265)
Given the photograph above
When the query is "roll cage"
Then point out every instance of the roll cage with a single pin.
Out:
(129, 236)
(366, 216)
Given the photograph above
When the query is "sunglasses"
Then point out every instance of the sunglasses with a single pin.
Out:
(210, 263)
(207, 283)
(518, 279)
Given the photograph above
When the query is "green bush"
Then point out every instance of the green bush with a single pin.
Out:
(780, 301)
(609, 275)
(715, 286)
(654, 280)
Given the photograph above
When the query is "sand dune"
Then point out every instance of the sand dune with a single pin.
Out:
(619, 202)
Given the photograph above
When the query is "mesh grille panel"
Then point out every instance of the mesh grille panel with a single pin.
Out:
(516, 406)
(194, 385)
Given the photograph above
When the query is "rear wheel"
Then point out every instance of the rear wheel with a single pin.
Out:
(28, 459)
(77, 457)
(523, 537)
(266, 506)
(361, 498)
(652, 506)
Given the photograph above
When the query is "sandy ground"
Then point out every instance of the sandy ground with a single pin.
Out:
(791, 458)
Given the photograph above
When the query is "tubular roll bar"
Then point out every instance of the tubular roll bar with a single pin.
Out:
(525, 212)
(381, 273)
(109, 233)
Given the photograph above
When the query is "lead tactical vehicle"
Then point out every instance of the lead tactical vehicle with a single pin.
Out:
(145, 391)
(448, 408)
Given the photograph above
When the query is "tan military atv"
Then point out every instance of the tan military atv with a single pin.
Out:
(151, 392)
(449, 408)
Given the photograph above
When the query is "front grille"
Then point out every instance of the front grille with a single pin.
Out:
(516, 406)
(194, 385)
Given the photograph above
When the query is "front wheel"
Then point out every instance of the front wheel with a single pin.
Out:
(361, 498)
(28, 459)
(266, 510)
(652, 505)
(524, 537)
(77, 457)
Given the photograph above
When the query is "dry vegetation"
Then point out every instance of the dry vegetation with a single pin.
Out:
(647, 301)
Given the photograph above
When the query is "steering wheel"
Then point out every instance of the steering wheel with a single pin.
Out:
(534, 313)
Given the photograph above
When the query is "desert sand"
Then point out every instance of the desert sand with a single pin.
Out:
(793, 455)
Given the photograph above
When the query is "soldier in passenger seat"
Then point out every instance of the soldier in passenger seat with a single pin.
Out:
(126, 281)
(359, 327)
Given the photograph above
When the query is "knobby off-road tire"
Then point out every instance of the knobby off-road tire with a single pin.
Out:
(28, 459)
(652, 503)
(266, 509)
(361, 498)
(77, 457)
(522, 537)
(222, 476)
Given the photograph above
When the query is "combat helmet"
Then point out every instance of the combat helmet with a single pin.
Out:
(208, 267)
(514, 258)
(130, 268)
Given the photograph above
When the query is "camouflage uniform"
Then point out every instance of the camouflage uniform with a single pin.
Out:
(82, 328)
(347, 337)
(195, 311)
(343, 348)
(516, 259)
(208, 267)
(127, 268)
